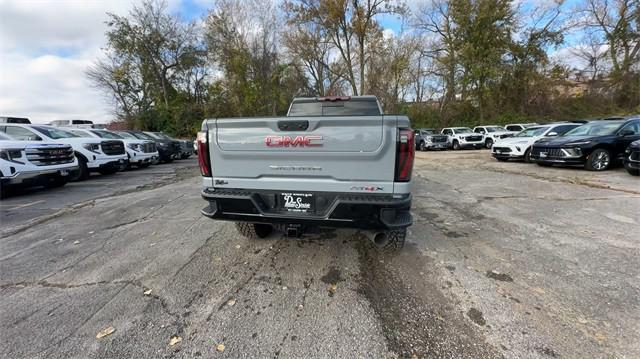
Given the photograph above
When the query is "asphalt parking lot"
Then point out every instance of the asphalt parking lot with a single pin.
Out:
(504, 260)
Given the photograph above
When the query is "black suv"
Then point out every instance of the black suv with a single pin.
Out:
(595, 145)
(632, 158)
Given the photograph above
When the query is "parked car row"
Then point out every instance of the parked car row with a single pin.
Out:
(458, 138)
(42, 155)
(595, 145)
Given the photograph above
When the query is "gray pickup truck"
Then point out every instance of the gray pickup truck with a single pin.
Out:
(331, 162)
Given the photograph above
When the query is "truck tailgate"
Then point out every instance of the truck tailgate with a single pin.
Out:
(329, 153)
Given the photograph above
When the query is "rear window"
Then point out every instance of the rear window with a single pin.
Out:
(352, 107)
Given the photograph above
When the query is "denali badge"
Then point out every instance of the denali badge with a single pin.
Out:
(298, 141)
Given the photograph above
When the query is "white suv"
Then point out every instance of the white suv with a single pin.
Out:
(462, 137)
(104, 156)
(518, 147)
(491, 133)
(34, 163)
(141, 153)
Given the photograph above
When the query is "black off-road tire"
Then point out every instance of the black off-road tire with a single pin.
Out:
(253, 230)
(395, 241)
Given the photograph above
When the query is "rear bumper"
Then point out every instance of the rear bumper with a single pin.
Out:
(362, 211)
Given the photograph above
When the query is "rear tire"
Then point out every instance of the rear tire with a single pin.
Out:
(395, 241)
(253, 230)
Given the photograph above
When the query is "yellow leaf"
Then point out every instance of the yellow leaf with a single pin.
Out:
(175, 340)
(539, 290)
(147, 292)
(104, 332)
(220, 347)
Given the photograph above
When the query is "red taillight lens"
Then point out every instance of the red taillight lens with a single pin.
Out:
(405, 153)
(203, 154)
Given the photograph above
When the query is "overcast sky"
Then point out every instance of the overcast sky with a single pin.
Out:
(46, 47)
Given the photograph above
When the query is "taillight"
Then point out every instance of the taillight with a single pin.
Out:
(405, 152)
(203, 154)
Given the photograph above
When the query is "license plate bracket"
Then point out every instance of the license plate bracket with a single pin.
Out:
(297, 202)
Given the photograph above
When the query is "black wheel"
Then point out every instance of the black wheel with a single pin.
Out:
(423, 146)
(527, 155)
(57, 182)
(83, 171)
(395, 241)
(456, 145)
(488, 143)
(598, 160)
(253, 230)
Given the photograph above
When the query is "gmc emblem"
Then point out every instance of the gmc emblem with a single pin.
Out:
(298, 141)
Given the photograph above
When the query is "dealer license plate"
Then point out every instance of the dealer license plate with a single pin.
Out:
(297, 202)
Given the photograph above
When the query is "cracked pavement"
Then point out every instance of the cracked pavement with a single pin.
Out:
(504, 260)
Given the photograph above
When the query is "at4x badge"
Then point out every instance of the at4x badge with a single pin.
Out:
(298, 141)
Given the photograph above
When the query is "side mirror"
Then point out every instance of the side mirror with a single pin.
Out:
(626, 133)
(552, 134)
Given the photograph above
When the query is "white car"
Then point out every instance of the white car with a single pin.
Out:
(34, 163)
(462, 137)
(104, 156)
(492, 133)
(141, 153)
(514, 128)
(518, 147)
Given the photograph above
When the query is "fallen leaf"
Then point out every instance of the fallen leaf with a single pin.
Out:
(284, 288)
(76, 242)
(104, 332)
(539, 290)
(582, 321)
(147, 292)
(152, 244)
(600, 337)
(220, 347)
(175, 340)
(237, 246)
(231, 302)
